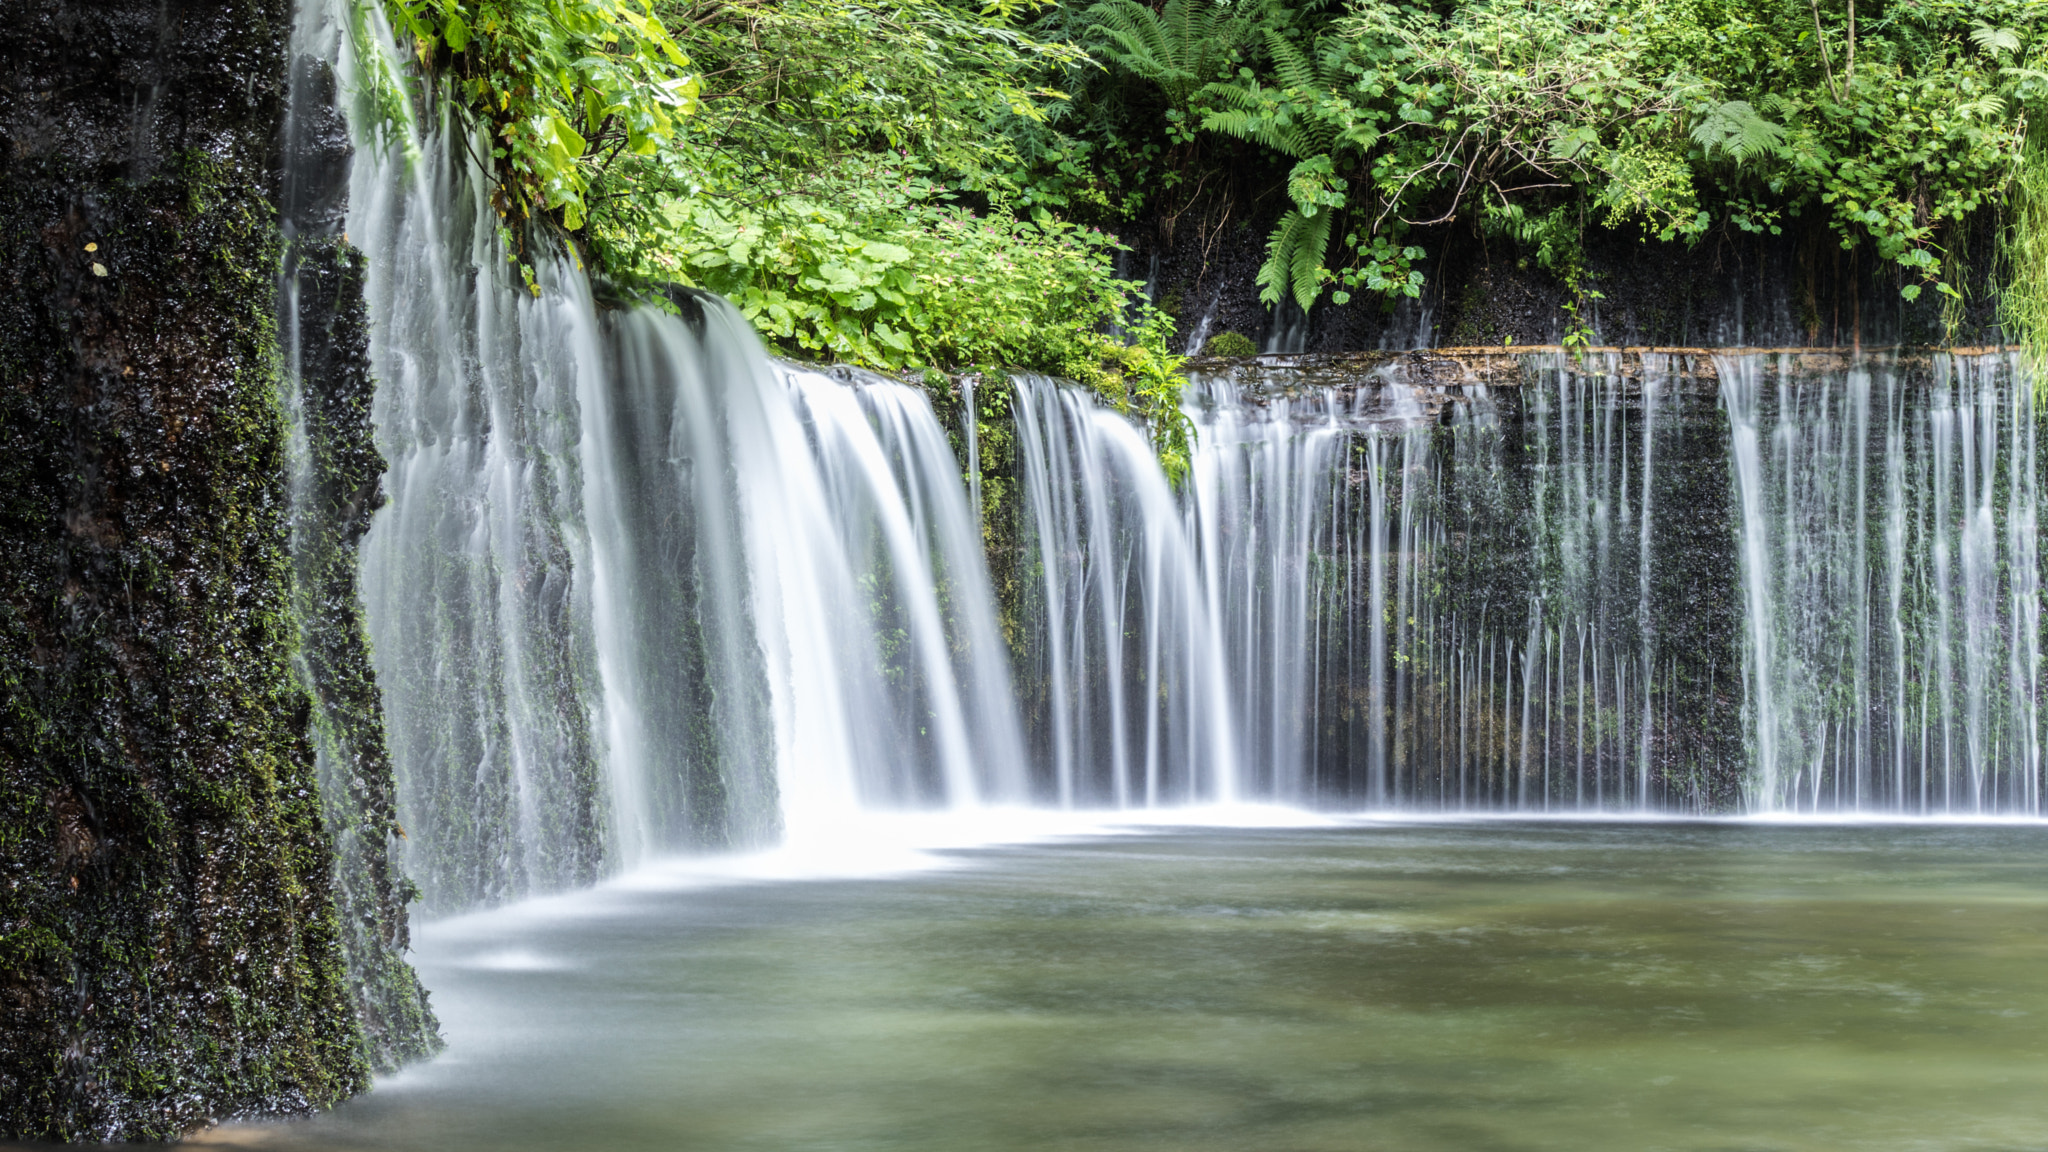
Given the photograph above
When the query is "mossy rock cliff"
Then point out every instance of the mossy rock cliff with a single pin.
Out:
(170, 952)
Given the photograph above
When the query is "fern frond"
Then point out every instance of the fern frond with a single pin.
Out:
(1989, 106)
(1176, 47)
(1193, 23)
(1293, 66)
(1739, 130)
(1310, 246)
(1332, 53)
(1126, 16)
(1275, 273)
(1294, 259)
(1245, 119)
(1994, 41)
(1247, 99)
(1310, 138)
(1136, 32)
(1234, 122)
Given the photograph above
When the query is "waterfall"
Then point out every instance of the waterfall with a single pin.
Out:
(1600, 434)
(1288, 500)
(640, 588)
(1629, 583)
(1125, 688)
(1262, 505)
(1442, 594)
(1891, 575)
(815, 540)
(480, 627)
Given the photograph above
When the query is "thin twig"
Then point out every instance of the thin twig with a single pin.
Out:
(1821, 36)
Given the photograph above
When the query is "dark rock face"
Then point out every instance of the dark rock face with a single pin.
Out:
(169, 947)
(1797, 289)
(1500, 564)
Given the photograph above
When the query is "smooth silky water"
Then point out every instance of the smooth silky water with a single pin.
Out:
(1410, 985)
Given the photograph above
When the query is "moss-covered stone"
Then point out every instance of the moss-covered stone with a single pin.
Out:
(169, 948)
(336, 491)
(1230, 344)
(336, 487)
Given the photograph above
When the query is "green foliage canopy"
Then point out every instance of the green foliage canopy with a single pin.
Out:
(1534, 119)
(845, 172)
(562, 88)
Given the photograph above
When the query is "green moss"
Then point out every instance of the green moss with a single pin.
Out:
(1230, 344)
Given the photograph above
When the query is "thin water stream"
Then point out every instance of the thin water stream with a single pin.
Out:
(1393, 986)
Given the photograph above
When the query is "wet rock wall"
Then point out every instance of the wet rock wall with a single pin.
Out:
(170, 946)
(1799, 288)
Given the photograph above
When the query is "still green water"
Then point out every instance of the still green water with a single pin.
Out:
(1486, 985)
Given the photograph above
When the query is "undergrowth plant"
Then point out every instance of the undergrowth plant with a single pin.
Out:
(1536, 120)
(562, 89)
(844, 172)
(2024, 255)
(893, 275)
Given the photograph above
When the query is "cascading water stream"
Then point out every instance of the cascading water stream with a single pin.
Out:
(1418, 611)
(641, 589)
(1125, 691)
(1260, 509)
(1610, 583)
(1891, 572)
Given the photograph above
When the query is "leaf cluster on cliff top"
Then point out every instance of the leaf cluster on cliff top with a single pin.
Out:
(835, 164)
(1533, 120)
(845, 172)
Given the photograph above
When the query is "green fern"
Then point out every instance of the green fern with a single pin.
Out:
(1251, 111)
(1739, 130)
(1994, 41)
(1294, 259)
(1295, 69)
(1178, 48)
(1286, 120)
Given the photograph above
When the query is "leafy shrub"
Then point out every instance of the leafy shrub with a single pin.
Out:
(1535, 119)
(892, 276)
(562, 88)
